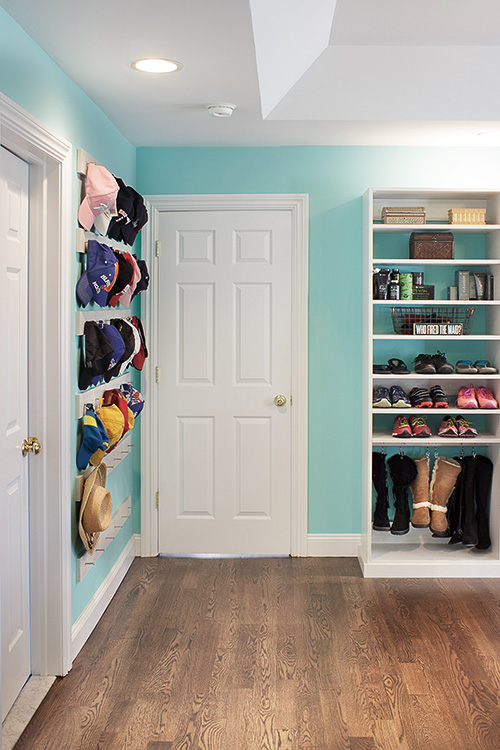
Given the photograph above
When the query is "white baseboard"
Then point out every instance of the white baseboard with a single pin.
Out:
(94, 610)
(137, 545)
(333, 545)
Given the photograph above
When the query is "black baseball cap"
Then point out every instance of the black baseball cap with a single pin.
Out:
(98, 354)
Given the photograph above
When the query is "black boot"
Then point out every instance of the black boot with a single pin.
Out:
(456, 507)
(469, 524)
(403, 472)
(379, 475)
(484, 473)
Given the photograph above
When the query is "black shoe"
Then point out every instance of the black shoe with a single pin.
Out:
(424, 364)
(443, 367)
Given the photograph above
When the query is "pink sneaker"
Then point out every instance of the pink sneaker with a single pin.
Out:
(466, 398)
(419, 427)
(486, 399)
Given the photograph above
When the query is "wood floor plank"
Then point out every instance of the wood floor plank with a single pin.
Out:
(281, 654)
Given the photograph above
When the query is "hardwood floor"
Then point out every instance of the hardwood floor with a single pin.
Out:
(281, 654)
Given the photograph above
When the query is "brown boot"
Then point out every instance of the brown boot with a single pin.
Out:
(444, 477)
(420, 490)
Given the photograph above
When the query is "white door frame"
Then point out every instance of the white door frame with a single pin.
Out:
(298, 206)
(50, 295)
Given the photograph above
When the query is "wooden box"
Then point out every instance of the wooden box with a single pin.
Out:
(467, 216)
(428, 246)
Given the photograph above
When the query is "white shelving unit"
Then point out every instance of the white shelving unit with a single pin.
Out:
(418, 553)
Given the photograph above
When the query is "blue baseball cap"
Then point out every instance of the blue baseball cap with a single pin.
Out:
(94, 437)
(101, 273)
(116, 340)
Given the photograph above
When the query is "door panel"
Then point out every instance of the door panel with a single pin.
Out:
(225, 353)
(14, 530)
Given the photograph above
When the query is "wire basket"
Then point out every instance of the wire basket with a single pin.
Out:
(403, 318)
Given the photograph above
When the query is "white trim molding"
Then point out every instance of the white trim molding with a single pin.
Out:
(333, 545)
(50, 416)
(298, 206)
(94, 610)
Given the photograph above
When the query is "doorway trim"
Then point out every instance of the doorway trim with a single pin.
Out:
(298, 207)
(50, 243)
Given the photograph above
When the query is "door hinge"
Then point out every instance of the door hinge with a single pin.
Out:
(157, 374)
(157, 248)
(157, 499)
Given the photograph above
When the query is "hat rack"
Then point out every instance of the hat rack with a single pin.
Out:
(103, 315)
(112, 460)
(92, 395)
(83, 159)
(82, 237)
(85, 562)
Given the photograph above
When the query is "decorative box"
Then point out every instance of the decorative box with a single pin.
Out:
(467, 216)
(423, 291)
(425, 245)
(403, 215)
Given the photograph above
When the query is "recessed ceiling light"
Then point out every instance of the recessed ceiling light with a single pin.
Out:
(156, 65)
(221, 110)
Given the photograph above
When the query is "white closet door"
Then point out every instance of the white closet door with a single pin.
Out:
(225, 343)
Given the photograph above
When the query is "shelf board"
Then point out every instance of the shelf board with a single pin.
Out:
(433, 262)
(434, 376)
(429, 411)
(438, 227)
(411, 337)
(381, 437)
(436, 302)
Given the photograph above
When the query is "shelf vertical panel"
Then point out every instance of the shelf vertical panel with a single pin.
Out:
(366, 477)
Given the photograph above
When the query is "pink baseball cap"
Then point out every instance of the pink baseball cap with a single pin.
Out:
(126, 294)
(101, 190)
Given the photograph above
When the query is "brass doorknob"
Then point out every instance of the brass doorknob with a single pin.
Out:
(280, 400)
(31, 445)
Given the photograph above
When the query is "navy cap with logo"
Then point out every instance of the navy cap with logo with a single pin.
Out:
(127, 335)
(115, 339)
(98, 354)
(100, 276)
(132, 215)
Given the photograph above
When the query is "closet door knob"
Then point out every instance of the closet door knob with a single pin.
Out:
(280, 400)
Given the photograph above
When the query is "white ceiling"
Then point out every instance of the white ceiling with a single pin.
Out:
(326, 72)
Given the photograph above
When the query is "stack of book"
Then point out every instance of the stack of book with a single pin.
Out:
(403, 215)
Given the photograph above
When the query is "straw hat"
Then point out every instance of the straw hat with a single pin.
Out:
(96, 509)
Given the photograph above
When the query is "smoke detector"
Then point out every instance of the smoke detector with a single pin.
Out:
(221, 110)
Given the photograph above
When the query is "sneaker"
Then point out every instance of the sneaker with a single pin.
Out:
(439, 399)
(381, 397)
(465, 429)
(466, 398)
(399, 399)
(401, 427)
(419, 427)
(420, 398)
(448, 428)
(424, 364)
(486, 399)
(441, 364)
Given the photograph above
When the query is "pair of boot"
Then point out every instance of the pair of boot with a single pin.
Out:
(469, 505)
(403, 472)
(430, 501)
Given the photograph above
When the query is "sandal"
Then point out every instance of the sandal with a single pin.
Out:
(381, 369)
(465, 367)
(397, 366)
(484, 367)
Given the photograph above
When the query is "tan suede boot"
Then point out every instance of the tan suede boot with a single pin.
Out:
(444, 477)
(420, 490)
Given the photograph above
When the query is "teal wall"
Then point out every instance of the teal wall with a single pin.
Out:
(335, 179)
(31, 79)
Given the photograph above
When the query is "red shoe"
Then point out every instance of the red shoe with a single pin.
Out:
(401, 427)
(419, 427)
(466, 398)
(486, 399)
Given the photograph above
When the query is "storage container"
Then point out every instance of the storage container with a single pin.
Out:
(427, 245)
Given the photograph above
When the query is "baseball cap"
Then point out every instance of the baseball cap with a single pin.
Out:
(143, 282)
(115, 339)
(113, 422)
(127, 334)
(133, 398)
(132, 215)
(94, 437)
(124, 277)
(141, 355)
(126, 295)
(98, 354)
(101, 190)
(101, 273)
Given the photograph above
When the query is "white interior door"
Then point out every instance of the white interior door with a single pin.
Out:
(225, 353)
(14, 528)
